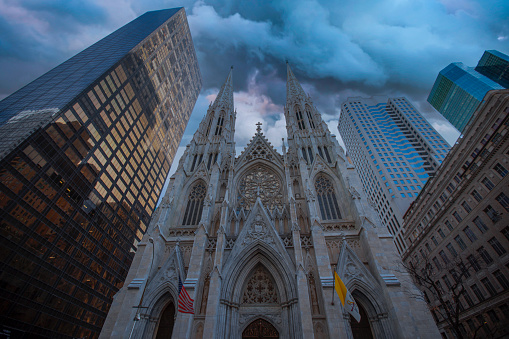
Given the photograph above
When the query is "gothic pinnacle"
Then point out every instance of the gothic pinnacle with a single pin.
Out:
(293, 87)
(225, 95)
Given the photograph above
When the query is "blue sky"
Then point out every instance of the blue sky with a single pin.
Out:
(337, 49)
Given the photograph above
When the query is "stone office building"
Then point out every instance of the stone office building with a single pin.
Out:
(459, 225)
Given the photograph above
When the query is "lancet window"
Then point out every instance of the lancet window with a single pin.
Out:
(220, 122)
(196, 161)
(310, 117)
(194, 206)
(327, 200)
(208, 127)
(300, 120)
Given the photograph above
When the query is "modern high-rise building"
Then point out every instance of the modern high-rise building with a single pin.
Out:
(85, 151)
(457, 230)
(255, 239)
(459, 89)
(395, 151)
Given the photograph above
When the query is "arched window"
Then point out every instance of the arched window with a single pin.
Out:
(327, 200)
(194, 207)
(310, 117)
(300, 121)
(220, 122)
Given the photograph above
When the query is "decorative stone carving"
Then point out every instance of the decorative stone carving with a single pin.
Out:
(354, 193)
(260, 182)
(260, 289)
(258, 231)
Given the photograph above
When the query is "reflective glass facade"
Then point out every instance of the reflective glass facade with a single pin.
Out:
(458, 89)
(87, 149)
(495, 65)
(395, 151)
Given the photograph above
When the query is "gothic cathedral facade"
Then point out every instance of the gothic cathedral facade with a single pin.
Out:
(255, 239)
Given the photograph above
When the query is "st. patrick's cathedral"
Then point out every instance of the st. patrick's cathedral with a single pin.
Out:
(255, 239)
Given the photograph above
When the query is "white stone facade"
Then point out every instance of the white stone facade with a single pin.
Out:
(256, 238)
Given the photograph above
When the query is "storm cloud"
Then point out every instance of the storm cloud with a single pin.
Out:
(337, 49)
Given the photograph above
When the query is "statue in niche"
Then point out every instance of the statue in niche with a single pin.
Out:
(205, 295)
(314, 296)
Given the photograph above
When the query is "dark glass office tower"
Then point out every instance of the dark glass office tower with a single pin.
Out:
(459, 90)
(84, 153)
(494, 65)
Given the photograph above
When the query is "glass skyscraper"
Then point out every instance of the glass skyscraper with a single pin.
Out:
(85, 151)
(459, 89)
(395, 151)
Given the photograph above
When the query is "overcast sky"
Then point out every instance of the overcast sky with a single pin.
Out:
(337, 49)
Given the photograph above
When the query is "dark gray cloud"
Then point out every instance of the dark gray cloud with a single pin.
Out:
(337, 49)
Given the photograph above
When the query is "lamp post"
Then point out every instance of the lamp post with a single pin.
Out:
(137, 316)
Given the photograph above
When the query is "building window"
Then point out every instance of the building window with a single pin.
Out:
(505, 232)
(492, 213)
(468, 299)
(477, 292)
(220, 122)
(476, 195)
(493, 316)
(489, 286)
(480, 224)
(500, 170)
(300, 120)
(434, 240)
(441, 233)
(452, 250)
(470, 235)
(194, 207)
(474, 263)
(457, 216)
(444, 257)
(502, 280)
(487, 182)
(460, 242)
(497, 246)
(503, 200)
(466, 207)
(448, 224)
(485, 255)
(327, 201)
(437, 263)
(447, 282)
(310, 117)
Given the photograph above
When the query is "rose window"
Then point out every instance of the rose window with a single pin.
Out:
(260, 182)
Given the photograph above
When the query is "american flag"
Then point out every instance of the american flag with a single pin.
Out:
(185, 302)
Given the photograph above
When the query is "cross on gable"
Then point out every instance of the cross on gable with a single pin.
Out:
(259, 127)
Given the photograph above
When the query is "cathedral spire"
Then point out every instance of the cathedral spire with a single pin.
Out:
(225, 96)
(293, 87)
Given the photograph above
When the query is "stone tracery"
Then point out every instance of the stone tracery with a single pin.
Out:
(260, 182)
(260, 289)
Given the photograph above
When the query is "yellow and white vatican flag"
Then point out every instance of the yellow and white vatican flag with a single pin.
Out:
(346, 298)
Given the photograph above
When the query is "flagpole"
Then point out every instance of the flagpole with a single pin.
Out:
(333, 283)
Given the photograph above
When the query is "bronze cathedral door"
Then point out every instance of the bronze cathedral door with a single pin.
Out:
(259, 329)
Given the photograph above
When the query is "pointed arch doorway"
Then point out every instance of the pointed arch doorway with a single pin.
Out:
(166, 322)
(362, 329)
(260, 329)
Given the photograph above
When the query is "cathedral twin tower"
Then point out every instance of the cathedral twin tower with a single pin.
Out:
(255, 239)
